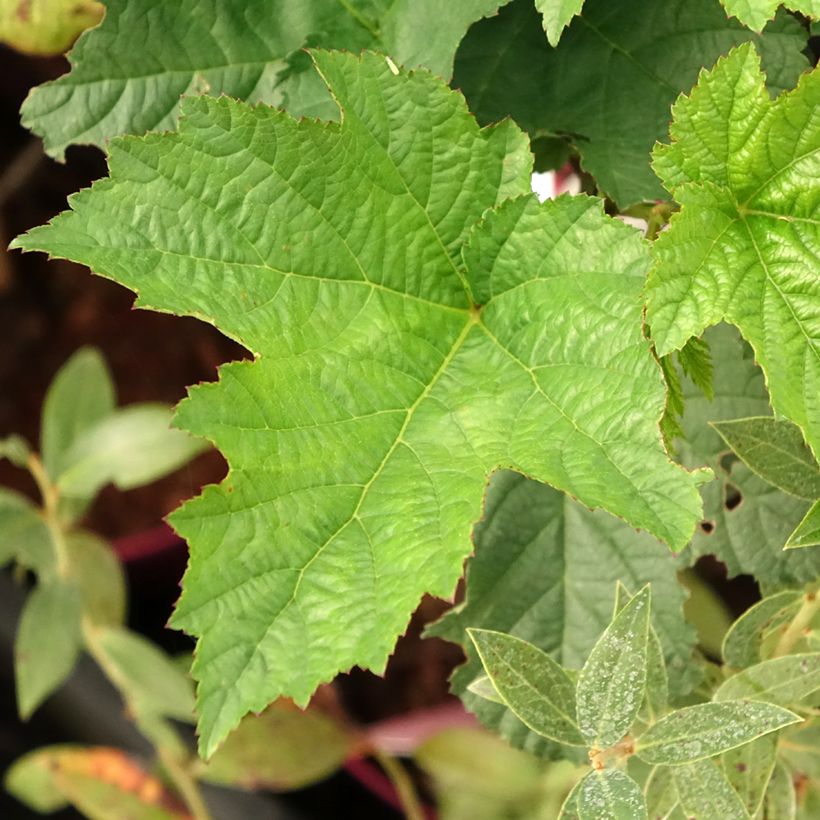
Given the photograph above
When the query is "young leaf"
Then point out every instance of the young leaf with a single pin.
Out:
(412, 374)
(531, 683)
(556, 15)
(783, 681)
(780, 802)
(775, 451)
(708, 729)
(16, 449)
(80, 395)
(24, 536)
(47, 644)
(545, 569)
(245, 50)
(748, 769)
(621, 68)
(706, 794)
(807, 532)
(741, 645)
(610, 795)
(739, 164)
(660, 794)
(756, 13)
(611, 685)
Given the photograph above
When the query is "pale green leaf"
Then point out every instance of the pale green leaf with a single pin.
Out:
(569, 808)
(31, 781)
(282, 748)
(744, 170)
(610, 795)
(741, 644)
(24, 536)
(781, 801)
(660, 794)
(248, 49)
(749, 768)
(756, 13)
(47, 644)
(608, 86)
(80, 395)
(556, 16)
(411, 373)
(775, 451)
(531, 683)
(545, 569)
(99, 576)
(611, 685)
(131, 447)
(708, 729)
(783, 681)
(16, 449)
(706, 794)
(483, 687)
(807, 532)
(46, 27)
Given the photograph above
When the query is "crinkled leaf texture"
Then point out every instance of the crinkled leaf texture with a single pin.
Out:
(756, 13)
(745, 246)
(391, 374)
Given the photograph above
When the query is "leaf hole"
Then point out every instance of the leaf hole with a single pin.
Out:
(733, 497)
(707, 527)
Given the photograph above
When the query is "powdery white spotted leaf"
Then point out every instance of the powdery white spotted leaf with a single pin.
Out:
(756, 13)
(745, 246)
(784, 681)
(404, 349)
(610, 795)
(706, 794)
(708, 729)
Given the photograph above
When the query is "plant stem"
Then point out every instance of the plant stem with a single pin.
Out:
(51, 511)
(403, 784)
(801, 621)
(185, 784)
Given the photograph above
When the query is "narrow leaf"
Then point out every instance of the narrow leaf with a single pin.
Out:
(748, 769)
(611, 685)
(780, 802)
(774, 450)
(48, 642)
(807, 533)
(610, 795)
(531, 683)
(706, 794)
(708, 729)
(784, 681)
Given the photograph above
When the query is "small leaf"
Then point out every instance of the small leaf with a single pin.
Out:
(611, 685)
(79, 396)
(660, 793)
(807, 533)
(708, 729)
(16, 449)
(48, 642)
(129, 448)
(783, 681)
(706, 794)
(748, 769)
(610, 795)
(531, 683)
(483, 687)
(24, 536)
(774, 450)
(741, 645)
(780, 802)
(282, 748)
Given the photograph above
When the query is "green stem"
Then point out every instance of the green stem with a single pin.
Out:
(799, 624)
(185, 785)
(404, 785)
(51, 510)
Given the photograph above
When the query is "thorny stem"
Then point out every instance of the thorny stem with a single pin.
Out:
(404, 785)
(51, 503)
(799, 624)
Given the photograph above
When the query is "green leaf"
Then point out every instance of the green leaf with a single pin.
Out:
(24, 536)
(775, 451)
(556, 16)
(16, 449)
(706, 794)
(781, 801)
(545, 569)
(281, 749)
(569, 808)
(531, 683)
(99, 576)
(756, 13)
(610, 795)
(31, 781)
(660, 794)
(80, 395)
(741, 645)
(708, 729)
(621, 66)
(46, 27)
(807, 532)
(784, 681)
(48, 642)
(412, 373)
(611, 686)
(738, 164)
(131, 447)
(749, 768)
(695, 358)
(706, 611)
(248, 50)
(483, 687)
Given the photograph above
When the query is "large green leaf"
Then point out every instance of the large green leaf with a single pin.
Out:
(745, 245)
(545, 569)
(248, 49)
(609, 84)
(391, 377)
(756, 13)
